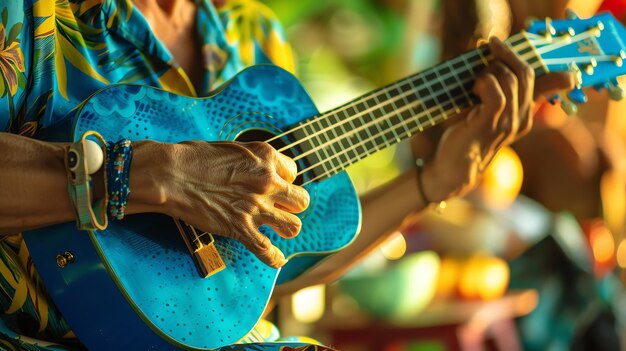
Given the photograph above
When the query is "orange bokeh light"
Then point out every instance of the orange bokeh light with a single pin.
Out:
(602, 244)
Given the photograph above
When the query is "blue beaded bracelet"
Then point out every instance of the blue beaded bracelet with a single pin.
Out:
(119, 157)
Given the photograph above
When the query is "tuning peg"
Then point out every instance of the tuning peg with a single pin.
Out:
(577, 96)
(569, 107)
(589, 68)
(554, 99)
(550, 30)
(615, 91)
(569, 13)
(575, 70)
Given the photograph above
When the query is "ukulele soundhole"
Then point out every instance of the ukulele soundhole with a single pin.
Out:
(263, 135)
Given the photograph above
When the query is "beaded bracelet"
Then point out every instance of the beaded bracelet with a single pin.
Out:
(419, 165)
(120, 155)
(83, 158)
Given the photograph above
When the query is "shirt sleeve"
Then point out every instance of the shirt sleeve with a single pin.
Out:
(14, 53)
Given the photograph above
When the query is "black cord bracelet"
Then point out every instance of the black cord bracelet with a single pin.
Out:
(419, 165)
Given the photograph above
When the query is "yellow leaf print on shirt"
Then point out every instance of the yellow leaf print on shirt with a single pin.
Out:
(251, 21)
(72, 36)
(11, 63)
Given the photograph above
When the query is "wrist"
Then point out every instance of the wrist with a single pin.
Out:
(432, 188)
(150, 174)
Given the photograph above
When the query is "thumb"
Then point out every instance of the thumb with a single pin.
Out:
(552, 82)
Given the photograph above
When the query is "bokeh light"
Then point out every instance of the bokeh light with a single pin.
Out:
(308, 304)
(621, 254)
(394, 247)
(602, 244)
(503, 179)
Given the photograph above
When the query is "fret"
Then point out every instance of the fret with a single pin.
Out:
(445, 88)
(327, 133)
(483, 52)
(523, 51)
(387, 110)
(379, 138)
(323, 137)
(408, 117)
(399, 116)
(370, 138)
(515, 43)
(344, 143)
(356, 136)
(446, 103)
(317, 148)
(459, 82)
(429, 78)
(410, 100)
(333, 136)
(462, 70)
(364, 134)
(542, 69)
(482, 57)
(306, 147)
(393, 119)
(340, 160)
(342, 131)
(420, 108)
(332, 139)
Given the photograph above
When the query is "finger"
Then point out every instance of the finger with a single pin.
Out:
(526, 82)
(524, 73)
(286, 167)
(292, 198)
(261, 246)
(493, 100)
(553, 82)
(508, 82)
(284, 223)
(490, 111)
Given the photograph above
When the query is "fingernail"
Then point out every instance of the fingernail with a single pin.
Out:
(280, 257)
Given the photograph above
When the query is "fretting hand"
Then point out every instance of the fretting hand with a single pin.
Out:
(507, 90)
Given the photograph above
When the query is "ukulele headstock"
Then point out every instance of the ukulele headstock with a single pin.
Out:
(593, 49)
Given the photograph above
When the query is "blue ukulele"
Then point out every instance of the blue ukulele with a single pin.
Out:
(143, 283)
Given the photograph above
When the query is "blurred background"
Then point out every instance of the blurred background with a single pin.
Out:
(533, 259)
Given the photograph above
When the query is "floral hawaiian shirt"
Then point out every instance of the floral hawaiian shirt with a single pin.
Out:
(56, 53)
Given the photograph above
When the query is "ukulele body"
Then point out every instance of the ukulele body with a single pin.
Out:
(134, 285)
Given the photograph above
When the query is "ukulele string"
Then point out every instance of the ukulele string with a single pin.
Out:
(406, 122)
(528, 42)
(473, 56)
(520, 47)
(353, 146)
(384, 118)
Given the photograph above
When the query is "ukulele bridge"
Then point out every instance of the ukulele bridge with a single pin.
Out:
(202, 248)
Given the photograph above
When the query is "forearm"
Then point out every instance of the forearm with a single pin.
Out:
(33, 182)
(384, 210)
